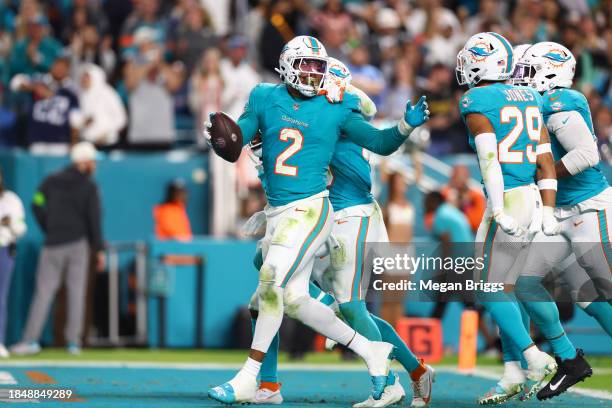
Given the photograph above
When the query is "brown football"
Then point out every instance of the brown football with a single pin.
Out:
(225, 137)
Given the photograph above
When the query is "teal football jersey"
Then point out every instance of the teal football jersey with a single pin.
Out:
(299, 136)
(582, 186)
(351, 182)
(515, 114)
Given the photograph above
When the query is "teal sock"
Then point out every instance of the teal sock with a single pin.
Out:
(545, 315)
(402, 353)
(527, 325)
(510, 352)
(602, 312)
(269, 365)
(357, 316)
(505, 312)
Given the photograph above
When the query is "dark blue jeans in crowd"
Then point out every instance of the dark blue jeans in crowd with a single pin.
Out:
(6, 270)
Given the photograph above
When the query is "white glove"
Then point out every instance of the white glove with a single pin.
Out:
(508, 224)
(334, 88)
(550, 225)
(255, 226)
(206, 130)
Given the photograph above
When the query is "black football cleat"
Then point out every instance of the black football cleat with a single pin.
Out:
(568, 373)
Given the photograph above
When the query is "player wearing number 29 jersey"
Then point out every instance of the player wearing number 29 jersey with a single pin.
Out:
(506, 131)
(514, 112)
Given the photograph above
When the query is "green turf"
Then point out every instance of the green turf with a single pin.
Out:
(602, 365)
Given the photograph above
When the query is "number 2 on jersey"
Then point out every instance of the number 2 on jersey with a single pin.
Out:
(297, 140)
(533, 120)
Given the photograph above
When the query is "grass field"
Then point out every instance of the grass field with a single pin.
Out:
(137, 378)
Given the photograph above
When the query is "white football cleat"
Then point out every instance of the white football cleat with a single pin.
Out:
(378, 360)
(241, 388)
(543, 366)
(4, 353)
(501, 393)
(268, 397)
(392, 394)
(25, 349)
(421, 387)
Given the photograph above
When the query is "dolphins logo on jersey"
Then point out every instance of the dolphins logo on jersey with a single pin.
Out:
(481, 51)
(557, 57)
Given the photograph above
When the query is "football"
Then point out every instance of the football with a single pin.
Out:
(225, 137)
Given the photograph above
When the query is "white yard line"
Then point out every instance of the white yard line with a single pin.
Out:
(491, 374)
(7, 378)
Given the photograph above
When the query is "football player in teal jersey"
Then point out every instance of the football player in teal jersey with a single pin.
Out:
(583, 202)
(506, 131)
(357, 220)
(299, 131)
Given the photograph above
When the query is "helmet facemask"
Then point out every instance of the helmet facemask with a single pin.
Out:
(523, 75)
(305, 74)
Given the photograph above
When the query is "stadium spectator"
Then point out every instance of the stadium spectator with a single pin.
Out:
(67, 209)
(399, 219)
(194, 35)
(37, 51)
(55, 117)
(277, 30)
(366, 76)
(87, 46)
(206, 86)
(469, 200)
(150, 83)
(236, 92)
(12, 227)
(447, 134)
(449, 224)
(103, 111)
(145, 14)
(171, 219)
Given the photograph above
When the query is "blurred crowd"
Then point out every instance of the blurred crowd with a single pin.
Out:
(146, 72)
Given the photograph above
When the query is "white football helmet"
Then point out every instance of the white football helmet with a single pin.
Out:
(485, 57)
(518, 51)
(303, 65)
(546, 65)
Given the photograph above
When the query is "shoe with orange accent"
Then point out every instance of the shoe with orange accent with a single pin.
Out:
(268, 393)
(422, 383)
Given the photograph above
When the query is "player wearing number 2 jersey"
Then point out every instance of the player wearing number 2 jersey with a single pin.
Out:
(299, 131)
(506, 131)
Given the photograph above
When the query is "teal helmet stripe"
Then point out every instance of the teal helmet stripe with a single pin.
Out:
(315, 44)
(508, 47)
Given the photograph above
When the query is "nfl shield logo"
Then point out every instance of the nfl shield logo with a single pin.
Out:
(296, 106)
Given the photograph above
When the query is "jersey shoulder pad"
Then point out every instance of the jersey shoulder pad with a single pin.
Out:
(259, 95)
(351, 101)
(477, 100)
(563, 100)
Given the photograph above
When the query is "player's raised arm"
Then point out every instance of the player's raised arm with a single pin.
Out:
(547, 183)
(385, 141)
(574, 135)
(492, 176)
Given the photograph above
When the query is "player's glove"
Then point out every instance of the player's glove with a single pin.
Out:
(508, 224)
(334, 88)
(414, 116)
(550, 225)
(206, 130)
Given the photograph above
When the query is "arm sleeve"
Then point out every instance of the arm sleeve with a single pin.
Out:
(249, 120)
(574, 135)
(380, 141)
(94, 216)
(486, 149)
